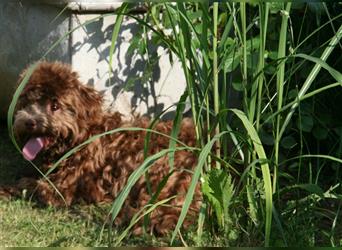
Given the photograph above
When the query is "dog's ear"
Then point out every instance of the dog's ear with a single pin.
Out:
(91, 101)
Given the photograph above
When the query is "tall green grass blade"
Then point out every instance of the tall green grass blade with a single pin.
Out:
(302, 98)
(280, 84)
(311, 188)
(134, 177)
(200, 224)
(155, 195)
(330, 19)
(236, 142)
(264, 13)
(197, 172)
(148, 138)
(59, 14)
(312, 76)
(176, 127)
(183, 58)
(334, 224)
(14, 101)
(115, 33)
(215, 81)
(328, 157)
(139, 215)
(206, 78)
(190, 54)
(264, 169)
(188, 26)
(279, 225)
(223, 119)
(333, 72)
(227, 29)
(244, 54)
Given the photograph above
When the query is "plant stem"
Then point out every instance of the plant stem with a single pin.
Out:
(264, 12)
(215, 83)
(280, 85)
(244, 50)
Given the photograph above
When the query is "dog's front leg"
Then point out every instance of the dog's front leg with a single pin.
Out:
(23, 188)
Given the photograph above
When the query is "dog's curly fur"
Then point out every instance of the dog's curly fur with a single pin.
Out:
(56, 106)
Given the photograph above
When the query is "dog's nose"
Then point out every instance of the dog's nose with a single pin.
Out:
(30, 124)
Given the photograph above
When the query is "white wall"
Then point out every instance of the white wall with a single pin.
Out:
(90, 57)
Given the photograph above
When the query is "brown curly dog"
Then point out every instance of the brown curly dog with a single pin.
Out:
(55, 113)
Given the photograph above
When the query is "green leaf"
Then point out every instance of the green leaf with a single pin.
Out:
(273, 55)
(320, 133)
(312, 188)
(213, 199)
(218, 188)
(252, 61)
(134, 43)
(293, 93)
(252, 204)
(275, 7)
(333, 72)
(270, 69)
(305, 123)
(253, 44)
(14, 101)
(266, 138)
(231, 61)
(288, 142)
(176, 126)
(197, 172)
(238, 86)
(264, 169)
(115, 33)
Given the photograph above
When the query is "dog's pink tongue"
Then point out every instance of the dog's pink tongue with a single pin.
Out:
(32, 148)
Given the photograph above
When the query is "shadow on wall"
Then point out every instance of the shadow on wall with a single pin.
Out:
(132, 71)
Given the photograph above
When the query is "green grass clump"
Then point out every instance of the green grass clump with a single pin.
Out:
(23, 225)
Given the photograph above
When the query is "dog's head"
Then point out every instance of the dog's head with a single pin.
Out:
(55, 111)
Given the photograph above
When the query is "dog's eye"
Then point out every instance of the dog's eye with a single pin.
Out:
(54, 105)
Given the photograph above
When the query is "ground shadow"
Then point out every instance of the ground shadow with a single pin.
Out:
(12, 164)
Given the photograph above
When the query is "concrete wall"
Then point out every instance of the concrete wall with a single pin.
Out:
(29, 30)
(90, 50)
